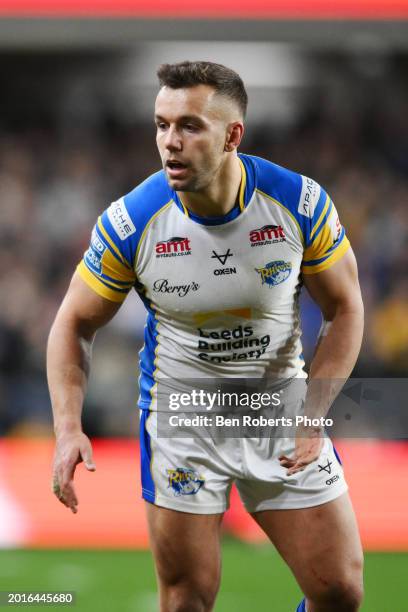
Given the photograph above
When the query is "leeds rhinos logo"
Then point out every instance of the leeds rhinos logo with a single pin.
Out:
(184, 481)
(275, 272)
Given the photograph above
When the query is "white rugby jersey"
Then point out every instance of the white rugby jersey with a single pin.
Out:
(221, 293)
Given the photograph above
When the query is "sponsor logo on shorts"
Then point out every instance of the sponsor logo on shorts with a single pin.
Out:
(275, 272)
(120, 219)
(268, 234)
(333, 479)
(173, 247)
(162, 285)
(184, 481)
(325, 468)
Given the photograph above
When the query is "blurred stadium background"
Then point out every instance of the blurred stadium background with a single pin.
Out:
(328, 87)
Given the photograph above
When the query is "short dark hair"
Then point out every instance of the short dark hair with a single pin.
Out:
(225, 81)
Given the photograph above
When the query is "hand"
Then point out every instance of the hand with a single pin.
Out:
(70, 450)
(308, 446)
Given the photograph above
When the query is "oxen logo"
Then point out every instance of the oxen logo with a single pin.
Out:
(173, 247)
(268, 234)
(184, 481)
(275, 272)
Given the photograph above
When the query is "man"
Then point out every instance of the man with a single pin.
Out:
(169, 238)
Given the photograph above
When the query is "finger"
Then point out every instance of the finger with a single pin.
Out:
(299, 466)
(69, 498)
(294, 471)
(286, 458)
(287, 463)
(59, 494)
(86, 454)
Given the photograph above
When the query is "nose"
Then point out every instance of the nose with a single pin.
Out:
(173, 141)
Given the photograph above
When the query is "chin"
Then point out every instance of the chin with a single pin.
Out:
(180, 185)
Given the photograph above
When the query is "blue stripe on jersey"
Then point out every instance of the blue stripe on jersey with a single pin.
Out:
(316, 214)
(337, 455)
(219, 220)
(329, 252)
(339, 239)
(103, 279)
(147, 359)
(250, 170)
(284, 186)
(148, 486)
(302, 606)
(105, 242)
(125, 284)
(323, 221)
(141, 204)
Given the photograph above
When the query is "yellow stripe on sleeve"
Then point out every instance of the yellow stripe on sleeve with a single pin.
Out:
(94, 283)
(321, 243)
(110, 242)
(324, 211)
(115, 270)
(327, 263)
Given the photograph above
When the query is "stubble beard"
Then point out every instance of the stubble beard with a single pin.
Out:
(193, 185)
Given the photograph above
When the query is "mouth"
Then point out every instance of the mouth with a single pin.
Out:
(175, 169)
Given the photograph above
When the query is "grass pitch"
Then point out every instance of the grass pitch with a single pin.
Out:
(254, 579)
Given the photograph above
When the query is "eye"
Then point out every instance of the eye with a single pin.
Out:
(190, 127)
(161, 126)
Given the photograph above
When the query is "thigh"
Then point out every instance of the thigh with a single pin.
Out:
(187, 474)
(185, 546)
(320, 544)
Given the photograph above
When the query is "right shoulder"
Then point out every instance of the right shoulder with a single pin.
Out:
(126, 219)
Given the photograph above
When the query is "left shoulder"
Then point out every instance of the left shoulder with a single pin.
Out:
(302, 196)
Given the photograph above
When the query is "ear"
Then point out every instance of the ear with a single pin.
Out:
(234, 135)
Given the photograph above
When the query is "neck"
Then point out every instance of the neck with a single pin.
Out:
(220, 196)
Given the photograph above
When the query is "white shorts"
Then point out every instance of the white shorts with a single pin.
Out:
(196, 474)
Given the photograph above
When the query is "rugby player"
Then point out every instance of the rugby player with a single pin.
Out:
(218, 244)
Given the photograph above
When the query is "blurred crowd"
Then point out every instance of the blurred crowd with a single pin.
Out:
(56, 178)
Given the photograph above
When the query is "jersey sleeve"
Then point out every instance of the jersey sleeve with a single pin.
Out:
(325, 240)
(106, 266)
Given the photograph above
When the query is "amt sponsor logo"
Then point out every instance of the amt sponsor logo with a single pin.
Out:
(268, 234)
(173, 247)
(162, 285)
(184, 481)
(275, 272)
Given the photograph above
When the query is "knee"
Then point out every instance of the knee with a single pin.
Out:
(190, 596)
(342, 593)
(342, 596)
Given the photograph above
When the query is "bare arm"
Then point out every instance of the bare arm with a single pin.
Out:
(81, 314)
(337, 293)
